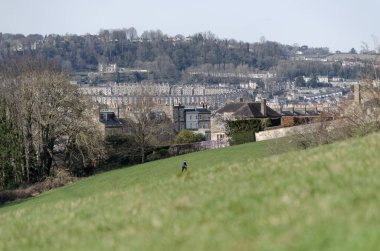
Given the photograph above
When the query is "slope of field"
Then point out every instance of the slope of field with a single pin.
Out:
(233, 199)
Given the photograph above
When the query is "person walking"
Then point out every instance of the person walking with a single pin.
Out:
(184, 166)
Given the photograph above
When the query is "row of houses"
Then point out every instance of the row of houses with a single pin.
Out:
(153, 89)
(214, 101)
(213, 124)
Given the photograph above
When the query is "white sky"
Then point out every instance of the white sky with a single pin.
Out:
(337, 24)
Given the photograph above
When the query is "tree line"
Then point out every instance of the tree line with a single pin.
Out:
(168, 58)
(44, 122)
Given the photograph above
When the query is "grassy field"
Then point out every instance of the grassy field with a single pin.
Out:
(238, 198)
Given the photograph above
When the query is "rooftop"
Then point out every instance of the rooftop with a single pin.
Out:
(248, 110)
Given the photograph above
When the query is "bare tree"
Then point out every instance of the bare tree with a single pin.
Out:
(362, 115)
(150, 127)
(354, 117)
(51, 116)
(364, 47)
(321, 132)
(132, 34)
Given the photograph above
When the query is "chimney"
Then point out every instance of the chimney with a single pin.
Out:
(263, 107)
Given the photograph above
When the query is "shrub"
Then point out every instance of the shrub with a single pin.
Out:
(158, 154)
(60, 178)
(122, 150)
(243, 131)
(187, 136)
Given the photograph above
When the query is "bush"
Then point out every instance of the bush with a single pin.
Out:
(243, 131)
(60, 178)
(159, 154)
(242, 137)
(323, 135)
(187, 136)
(122, 150)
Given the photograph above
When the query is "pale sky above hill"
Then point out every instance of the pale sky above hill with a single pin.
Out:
(337, 24)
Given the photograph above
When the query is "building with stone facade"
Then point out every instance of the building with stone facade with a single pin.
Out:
(113, 94)
(109, 123)
(241, 111)
(197, 119)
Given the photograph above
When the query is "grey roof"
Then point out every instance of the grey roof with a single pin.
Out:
(198, 109)
(110, 120)
(287, 113)
(300, 112)
(112, 123)
(248, 110)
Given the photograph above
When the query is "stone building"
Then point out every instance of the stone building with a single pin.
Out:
(110, 123)
(199, 120)
(196, 119)
(241, 111)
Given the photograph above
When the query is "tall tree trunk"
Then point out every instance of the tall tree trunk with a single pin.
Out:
(47, 151)
(142, 148)
(29, 152)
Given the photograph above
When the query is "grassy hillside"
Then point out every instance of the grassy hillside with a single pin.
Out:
(234, 199)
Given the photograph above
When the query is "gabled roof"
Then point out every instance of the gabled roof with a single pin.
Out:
(248, 110)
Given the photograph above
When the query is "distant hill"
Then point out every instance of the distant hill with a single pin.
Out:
(165, 58)
(237, 198)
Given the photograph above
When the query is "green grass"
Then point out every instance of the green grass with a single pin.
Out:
(238, 198)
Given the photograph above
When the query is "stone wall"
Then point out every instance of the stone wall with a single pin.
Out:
(288, 131)
(278, 133)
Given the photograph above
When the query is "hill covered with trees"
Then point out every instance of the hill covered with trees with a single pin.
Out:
(168, 58)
